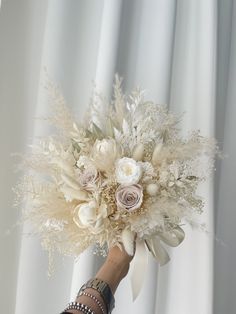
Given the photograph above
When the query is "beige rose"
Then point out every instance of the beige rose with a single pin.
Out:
(89, 178)
(129, 197)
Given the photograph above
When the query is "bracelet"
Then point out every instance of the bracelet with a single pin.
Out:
(94, 298)
(79, 306)
(103, 288)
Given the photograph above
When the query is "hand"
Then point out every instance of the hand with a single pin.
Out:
(112, 272)
(120, 258)
(115, 267)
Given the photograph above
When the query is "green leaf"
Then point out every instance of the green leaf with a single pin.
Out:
(97, 131)
(76, 146)
(88, 133)
(109, 128)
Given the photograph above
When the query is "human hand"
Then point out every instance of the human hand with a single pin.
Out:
(115, 267)
(120, 259)
(112, 272)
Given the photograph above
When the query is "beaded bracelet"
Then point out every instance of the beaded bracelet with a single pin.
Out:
(94, 298)
(103, 288)
(79, 306)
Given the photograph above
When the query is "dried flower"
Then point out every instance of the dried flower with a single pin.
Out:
(128, 171)
(127, 237)
(104, 153)
(71, 194)
(156, 153)
(88, 178)
(138, 152)
(90, 215)
(129, 197)
(152, 189)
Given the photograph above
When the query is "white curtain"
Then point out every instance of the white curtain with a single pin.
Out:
(183, 53)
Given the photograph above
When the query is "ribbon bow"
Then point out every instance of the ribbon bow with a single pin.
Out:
(139, 264)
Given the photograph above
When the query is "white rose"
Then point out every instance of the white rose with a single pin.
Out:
(90, 215)
(104, 153)
(128, 171)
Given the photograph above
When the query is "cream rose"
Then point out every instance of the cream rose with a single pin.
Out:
(88, 178)
(104, 153)
(127, 171)
(90, 215)
(129, 197)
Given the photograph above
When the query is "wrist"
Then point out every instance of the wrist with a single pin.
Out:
(112, 272)
(119, 268)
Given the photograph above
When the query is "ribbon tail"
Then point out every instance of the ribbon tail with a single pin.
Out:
(157, 250)
(138, 268)
(140, 260)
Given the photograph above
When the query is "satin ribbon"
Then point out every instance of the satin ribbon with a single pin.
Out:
(138, 268)
(140, 261)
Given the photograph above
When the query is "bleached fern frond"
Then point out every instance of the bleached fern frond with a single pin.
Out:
(61, 116)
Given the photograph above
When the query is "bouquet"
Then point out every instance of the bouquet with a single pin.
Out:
(123, 171)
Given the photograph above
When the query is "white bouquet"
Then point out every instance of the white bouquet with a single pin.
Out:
(122, 172)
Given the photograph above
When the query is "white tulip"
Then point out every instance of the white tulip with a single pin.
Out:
(104, 153)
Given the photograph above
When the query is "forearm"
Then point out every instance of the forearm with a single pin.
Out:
(112, 272)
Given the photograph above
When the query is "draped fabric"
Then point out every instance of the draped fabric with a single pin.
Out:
(183, 54)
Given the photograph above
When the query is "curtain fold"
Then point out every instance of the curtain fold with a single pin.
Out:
(225, 247)
(183, 54)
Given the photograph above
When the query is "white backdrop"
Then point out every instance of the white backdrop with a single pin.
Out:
(183, 53)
